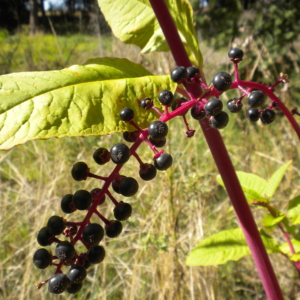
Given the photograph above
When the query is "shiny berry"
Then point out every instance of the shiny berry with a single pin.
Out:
(128, 187)
(126, 114)
(178, 103)
(66, 204)
(256, 98)
(58, 283)
(213, 107)
(234, 105)
(93, 234)
(198, 112)
(158, 129)
(116, 183)
(166, 97)
(82, 200)
(77, 274)
(163, 162)
(96, 254)
(95, 193)
(43, 237)
(236, 54)
(222, 81)
(122, 211)
(79, 171)
(56, 225)
(131, 137)
(179, 74)
(147, 172)
(113, 229)
(252, 114)
(158, 142)
(193, 73)
(267, 116)
(64, 250)
(42, 258)
(101, 156)
(74, 288)
(120, 153)
(219, 121)
(147, 103)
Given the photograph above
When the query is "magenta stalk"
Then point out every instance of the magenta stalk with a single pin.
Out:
(223, 162)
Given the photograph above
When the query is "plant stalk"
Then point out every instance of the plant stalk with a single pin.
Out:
(223, 162)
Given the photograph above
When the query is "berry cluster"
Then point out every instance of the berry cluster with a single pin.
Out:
(66, 234)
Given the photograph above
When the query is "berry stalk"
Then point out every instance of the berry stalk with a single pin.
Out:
(223, 162)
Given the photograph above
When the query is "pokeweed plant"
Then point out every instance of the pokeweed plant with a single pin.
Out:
(231, 245)
(107, 95)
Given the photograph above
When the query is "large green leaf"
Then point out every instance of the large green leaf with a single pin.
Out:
(77, 101)
(270, 222)
(285, 248)
(275, 180)
(225, 246)
(294, 210)
(134, 22)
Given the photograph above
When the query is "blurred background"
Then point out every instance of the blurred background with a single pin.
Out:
(181, 206)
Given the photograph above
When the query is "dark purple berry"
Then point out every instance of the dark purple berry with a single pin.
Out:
(147, 172)
(86, 264)
(79, 171)
(179, 74)
(128, 187)
(252, 114)
(82, 200)
(64, 250)
(131, 137)
(96, 254)
(93, 234)
(158, 143)
(74, 288)
(116, 183)
(198, 112)
(178, 103)
(43, 237)
(219, 121)
(120, 153)
(234, 105)
(77, 274)
(213, 107)
(163, 162)
(95, 193)
(222, 81)
(166, 97)
(193, 72)
(122, 211)
(58, 283)
(236, 54)
(56, 225)
(113, 229)
(101, 156)
(256, 98)
(126, 114)
(158, 129)
(147, 103)
(66, 204)
(267, 116)
(42, 258)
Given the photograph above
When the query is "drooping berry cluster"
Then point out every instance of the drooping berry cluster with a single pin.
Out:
(65, 235)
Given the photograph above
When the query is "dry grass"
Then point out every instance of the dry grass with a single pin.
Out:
(170, 214)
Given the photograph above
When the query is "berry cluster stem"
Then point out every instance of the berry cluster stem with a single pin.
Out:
(223, 162)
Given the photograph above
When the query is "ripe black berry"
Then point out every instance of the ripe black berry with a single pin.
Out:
(116, 183)
(96, 254)
(158, 129)
(193, 72)
(82, 199)
(74, 288)
(77, 274)
(128, 187)
(93, 234)
(64, 250)
(126, 114)
(198, 112)
(222, 81)
(56, 225)
(163, 162)
(166, 97)
(147, 172)
(122, 211)
(147, 103)
(95, 193)
(113, 229)
(131, 137)
(236, 54)
(179, 74)
(178, 103)
(66, 204)
(234, 105)
(79, 171)
(267, 116)
(219, 121)
(119, 153)
(252, 114)
(58, 283)
(213, 107)
(158, 143)
(42, 258)
(43, 237)
(101, 156)
(256, 98)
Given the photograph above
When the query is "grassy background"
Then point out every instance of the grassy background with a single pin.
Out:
(171, 214)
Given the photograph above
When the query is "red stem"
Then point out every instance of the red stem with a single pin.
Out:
(223, 162)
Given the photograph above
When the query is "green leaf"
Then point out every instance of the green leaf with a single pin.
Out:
(275, 180)
(77, 101)
(285, 248)
(225, 246)
(270, 222)
(134, 22)
(294, 210)
(295, 257)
